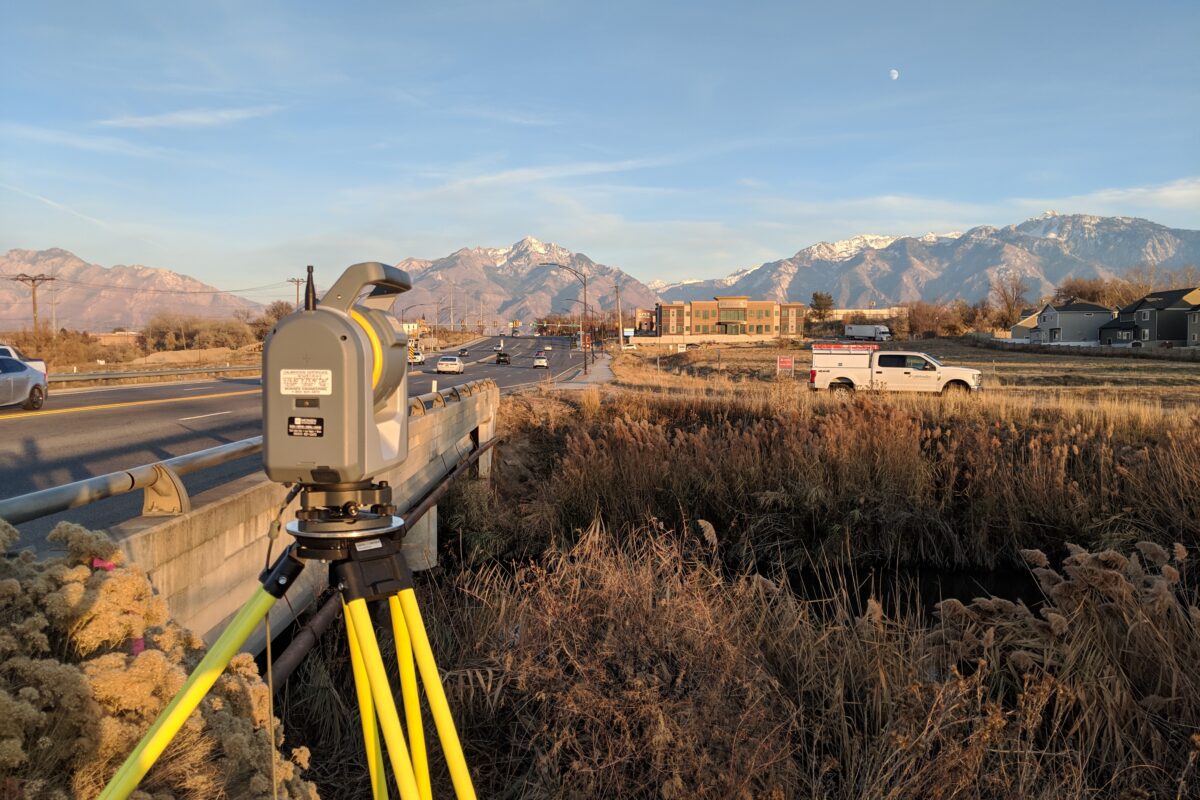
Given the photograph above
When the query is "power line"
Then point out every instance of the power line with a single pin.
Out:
(33, 281)
(103, 287)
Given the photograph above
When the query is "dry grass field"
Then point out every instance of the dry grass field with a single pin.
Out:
(694, 585)
(1069, 375)
(618, 611)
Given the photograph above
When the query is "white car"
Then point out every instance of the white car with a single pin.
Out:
(451, 364)
(498, 347)
(541, 361)
(547, 346)
(416, 357)
(22, 383)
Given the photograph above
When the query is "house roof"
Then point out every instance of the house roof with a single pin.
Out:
(1119, 325)
(1027, 318)
(1168, 298)
(1071, 304)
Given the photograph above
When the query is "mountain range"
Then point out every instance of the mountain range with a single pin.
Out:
(889, 270)
(515, 283)
(90, 297)
(521, 282)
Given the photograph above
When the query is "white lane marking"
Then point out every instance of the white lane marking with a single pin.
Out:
(202, 416)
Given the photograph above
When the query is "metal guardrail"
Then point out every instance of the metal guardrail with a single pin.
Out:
(165, 494)
(63, 377)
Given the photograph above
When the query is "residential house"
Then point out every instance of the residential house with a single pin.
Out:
(1070, 321)
(1158, 319)
(1025, 325)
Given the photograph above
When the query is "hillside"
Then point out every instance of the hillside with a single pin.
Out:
(90, 297)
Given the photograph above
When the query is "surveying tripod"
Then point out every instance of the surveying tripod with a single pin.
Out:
(365, 564)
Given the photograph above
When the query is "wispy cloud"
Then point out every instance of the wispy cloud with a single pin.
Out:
(191, 118)
(1183, 194)
(58, 206)
(94, 144)
(507, 116)
(114, 228)
(549, 172)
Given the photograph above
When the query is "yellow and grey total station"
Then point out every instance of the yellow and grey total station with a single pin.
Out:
(335, 417)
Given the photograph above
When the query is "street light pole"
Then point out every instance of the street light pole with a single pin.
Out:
(582, 277)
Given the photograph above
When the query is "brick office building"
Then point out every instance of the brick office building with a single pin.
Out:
(729, 317)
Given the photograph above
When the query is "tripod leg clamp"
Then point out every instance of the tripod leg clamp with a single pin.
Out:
(280, 576)
(373, 569)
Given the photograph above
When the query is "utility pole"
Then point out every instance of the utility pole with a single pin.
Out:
(581, 276)
(33, 281)
(452, 308)
(620, 320)
(298, 282)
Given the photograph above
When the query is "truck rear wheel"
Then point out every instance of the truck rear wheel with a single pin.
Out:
(841, 386)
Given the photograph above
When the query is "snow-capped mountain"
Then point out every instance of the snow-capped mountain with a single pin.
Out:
(886, 270)
(512, 283)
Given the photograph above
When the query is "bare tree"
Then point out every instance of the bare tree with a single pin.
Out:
(1010, 293)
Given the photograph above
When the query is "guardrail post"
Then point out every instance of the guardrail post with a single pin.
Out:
(166, 496)
(485, 433)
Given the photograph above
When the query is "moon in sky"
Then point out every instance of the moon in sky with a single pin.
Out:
(895, 73)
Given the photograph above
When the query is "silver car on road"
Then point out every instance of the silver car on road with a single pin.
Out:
(21, 383)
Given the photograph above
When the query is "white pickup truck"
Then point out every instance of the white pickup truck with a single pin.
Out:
(864, 366)
(8, 351)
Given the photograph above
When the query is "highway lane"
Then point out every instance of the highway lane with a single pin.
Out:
(86, 432)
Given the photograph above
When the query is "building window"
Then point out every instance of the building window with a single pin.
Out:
(732, 314)
(1145, 316)
(1145, 334)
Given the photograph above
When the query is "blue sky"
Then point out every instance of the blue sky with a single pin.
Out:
(239, 141)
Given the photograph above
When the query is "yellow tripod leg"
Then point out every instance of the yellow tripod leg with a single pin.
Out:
(412, 698)
(366, 706)
(188, 698)
(451, 747)
(385, 704)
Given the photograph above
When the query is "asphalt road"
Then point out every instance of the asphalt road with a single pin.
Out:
(85, 432)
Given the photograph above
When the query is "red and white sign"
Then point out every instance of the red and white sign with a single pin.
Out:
(785, 363)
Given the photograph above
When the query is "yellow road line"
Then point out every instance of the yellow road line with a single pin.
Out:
(129, 404)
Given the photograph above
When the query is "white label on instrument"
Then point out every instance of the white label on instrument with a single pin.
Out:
(370, 544)
(306, 381)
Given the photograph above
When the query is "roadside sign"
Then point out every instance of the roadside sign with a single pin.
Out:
(785, 364)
